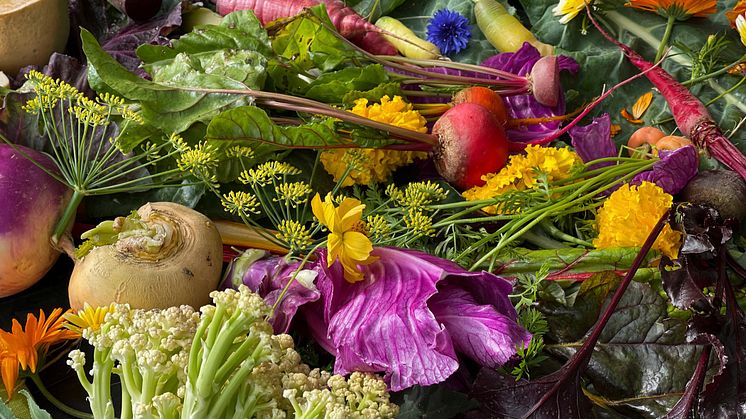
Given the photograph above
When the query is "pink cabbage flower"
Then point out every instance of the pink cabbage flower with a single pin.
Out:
(409, 318)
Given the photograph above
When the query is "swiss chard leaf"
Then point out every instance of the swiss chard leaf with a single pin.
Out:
(333, 87)
(173, 105)
(253, 126)
(240, 30)
(307, 43)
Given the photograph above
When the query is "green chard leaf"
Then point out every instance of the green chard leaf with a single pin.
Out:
(239, 30)
(308, 44)
(172, 101)
(333, 87)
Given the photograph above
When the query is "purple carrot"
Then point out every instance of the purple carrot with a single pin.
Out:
(690, 114)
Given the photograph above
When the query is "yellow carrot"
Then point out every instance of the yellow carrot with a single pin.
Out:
(504, 31)
(406, 41)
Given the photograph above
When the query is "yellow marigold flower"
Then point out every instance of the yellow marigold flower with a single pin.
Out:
(521, 172)
(345, 243)
(375, 165)
(87, 318)
(679, 9)
(629, 215)
(568, 9)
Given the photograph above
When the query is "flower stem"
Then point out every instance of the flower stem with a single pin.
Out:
(56, 402)
(666, 36)
(68, 216)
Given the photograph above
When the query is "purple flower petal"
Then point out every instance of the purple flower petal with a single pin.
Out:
(593, 141)
(268, 277)
(389, 322)
(480, 331)
(673, 171)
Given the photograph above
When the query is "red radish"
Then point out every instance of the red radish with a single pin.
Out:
(486, 97)
(471, 143)
(545, 81)
(690, 114)
(349, 24)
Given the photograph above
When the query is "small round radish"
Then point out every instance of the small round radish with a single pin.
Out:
(545, 80)
(471, 143)
(486, 97)
(645, 136)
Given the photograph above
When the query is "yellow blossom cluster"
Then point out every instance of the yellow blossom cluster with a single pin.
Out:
(376, 165)
(629, 215)
(522, 171)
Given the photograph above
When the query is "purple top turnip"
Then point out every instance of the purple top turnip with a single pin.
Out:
(32, 202)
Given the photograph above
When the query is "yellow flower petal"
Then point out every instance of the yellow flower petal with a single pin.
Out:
(641, 105)
(357, 246)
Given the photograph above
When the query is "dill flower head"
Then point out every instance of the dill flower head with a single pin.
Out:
(368, 165)
(294, 234)
(241, 203)
(449, 31)
(628, 216)
(568, 9)
(678, 9)
(523, 172)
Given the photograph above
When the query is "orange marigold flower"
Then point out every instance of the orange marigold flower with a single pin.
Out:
(21, 347)
(679, 9)
(738, 9)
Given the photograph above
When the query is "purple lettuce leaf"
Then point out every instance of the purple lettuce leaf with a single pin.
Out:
(268, 277)
(123, 44)
(390, 322)
(593, 141)
(525, 106)
(673, 171)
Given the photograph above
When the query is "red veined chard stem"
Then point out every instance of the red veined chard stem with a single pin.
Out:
(690, 114)
(457, 66)
(581, 358)
(298, 104)
(398, 132)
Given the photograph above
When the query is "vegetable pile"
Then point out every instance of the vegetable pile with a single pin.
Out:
(376, 209)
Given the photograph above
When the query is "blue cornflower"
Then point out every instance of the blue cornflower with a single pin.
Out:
(449, 30)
